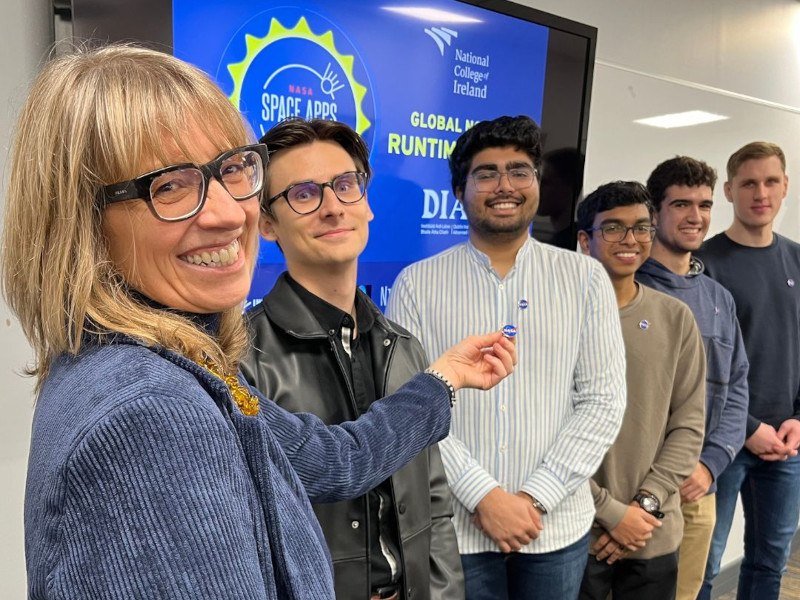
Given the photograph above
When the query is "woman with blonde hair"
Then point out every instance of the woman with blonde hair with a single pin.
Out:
(130, 240)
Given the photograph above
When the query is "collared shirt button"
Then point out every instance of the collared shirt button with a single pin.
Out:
(503, 407)
(401, 508)
(355, 524)
(501, 286)
(503, 448)
(331, 332)
(387, 341)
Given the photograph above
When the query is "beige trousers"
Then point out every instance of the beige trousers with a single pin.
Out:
(698, 526)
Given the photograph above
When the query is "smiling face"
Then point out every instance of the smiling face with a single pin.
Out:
(757, 192)
(203, 264)
(328, 239)
(620, 259)
(683, 218)
(503, 213)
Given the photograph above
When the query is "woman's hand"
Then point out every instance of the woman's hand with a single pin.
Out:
(479, 361)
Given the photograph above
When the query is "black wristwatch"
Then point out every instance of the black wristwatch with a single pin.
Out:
(649, 503)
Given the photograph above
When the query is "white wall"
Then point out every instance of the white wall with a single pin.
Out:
(741, 59)
(25, 34)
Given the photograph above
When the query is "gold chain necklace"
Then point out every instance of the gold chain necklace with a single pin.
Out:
(246, 402)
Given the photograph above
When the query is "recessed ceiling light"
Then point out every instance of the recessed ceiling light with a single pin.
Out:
(681, 119)
(431, 14)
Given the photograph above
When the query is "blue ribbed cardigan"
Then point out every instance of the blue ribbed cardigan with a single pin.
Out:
(146, 481)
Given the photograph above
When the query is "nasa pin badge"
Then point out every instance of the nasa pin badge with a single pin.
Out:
(510, 331)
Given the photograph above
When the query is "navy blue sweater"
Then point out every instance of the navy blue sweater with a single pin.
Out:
(146, 481)
(765, 282)
(726, 360)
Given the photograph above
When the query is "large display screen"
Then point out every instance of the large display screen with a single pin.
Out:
(409, 79)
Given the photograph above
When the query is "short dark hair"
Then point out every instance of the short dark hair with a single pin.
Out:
(297, 131)
(609, 196)
(754, 150)
(681, 170)
(521, 132)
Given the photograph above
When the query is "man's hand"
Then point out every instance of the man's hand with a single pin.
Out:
(509, 520)
(789, 434)
(766, 444)
(635, 528)
(606, 548)
(697, 484)
(479, 361)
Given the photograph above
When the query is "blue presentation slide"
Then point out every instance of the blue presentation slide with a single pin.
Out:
(410, 80)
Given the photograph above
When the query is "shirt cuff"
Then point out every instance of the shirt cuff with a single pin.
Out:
(752, 425)
(656, 489)
(546, 488)
(716, 459)
(610, 514)
(473, 486)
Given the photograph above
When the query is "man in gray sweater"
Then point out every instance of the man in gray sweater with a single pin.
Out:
(639, 526)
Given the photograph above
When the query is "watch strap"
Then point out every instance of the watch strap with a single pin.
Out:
(538, 505)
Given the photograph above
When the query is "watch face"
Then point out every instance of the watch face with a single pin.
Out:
(649, 504)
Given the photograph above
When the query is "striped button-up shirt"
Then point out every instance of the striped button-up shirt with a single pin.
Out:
(545, 429)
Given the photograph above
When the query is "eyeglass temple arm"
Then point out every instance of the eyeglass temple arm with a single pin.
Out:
(117, 192)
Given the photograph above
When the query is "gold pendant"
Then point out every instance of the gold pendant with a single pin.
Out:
(247, 402)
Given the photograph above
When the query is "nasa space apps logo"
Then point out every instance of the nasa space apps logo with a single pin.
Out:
(286, 64)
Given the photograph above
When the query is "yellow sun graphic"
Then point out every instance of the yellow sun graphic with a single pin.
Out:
(301, 30)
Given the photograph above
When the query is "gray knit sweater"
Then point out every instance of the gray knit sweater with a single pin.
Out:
(662, 431)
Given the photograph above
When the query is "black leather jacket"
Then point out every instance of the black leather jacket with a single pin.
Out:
(295, 363)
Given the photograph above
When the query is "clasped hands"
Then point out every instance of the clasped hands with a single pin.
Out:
(770, 444)
(510, 520)
(631, 534)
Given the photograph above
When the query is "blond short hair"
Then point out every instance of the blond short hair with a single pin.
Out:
(754, 150)
(96, 117)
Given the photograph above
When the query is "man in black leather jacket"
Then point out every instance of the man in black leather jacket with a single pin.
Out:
(322, 346)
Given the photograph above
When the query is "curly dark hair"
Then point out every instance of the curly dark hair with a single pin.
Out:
(681, 170)
(521, 132)
(609, 196)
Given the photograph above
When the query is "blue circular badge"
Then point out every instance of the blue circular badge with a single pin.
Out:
(644, 324)
(523, 304)
(510, 331)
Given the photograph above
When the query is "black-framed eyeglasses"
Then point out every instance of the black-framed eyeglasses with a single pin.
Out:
(616, 232)
(179, 192)
(306, 196)
(487, 180)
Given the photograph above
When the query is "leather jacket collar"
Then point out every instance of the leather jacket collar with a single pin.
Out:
(285, 308)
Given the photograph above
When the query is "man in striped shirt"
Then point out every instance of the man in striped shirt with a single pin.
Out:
(519, 458)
